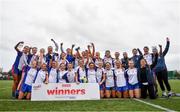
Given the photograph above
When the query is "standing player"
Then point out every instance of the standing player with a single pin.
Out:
(33, 56)
(121, 81)
(125, 60)
(161, 70)
(63, 59)
(51, 56)
(117, 54)
(108, 58)
(110, 81)
(69, 53)
(97, 59)
(21, 60)
(136, 58)
(133, 83)
(41, 57)
(154, 62)
(147, 56)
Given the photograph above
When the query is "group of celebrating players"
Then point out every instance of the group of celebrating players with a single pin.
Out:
(125, 77)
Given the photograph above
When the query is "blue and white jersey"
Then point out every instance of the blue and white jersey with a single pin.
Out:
(99, 74)
(148, 58)
(70, 58)
(61, 75)
(41, 76)
(71, 76)
(89, 61)
(110, 82)
(96, 61)
(41, 59)
(120, 78)
(91, 76)
(114, 62)
(22, 61)
(76, 62)
(53, 75)
(16, 63)
(110, 60)
(32, 58)
(81, 72)
(132, 76)
(60, 61)
(53, 57)
(30, 74)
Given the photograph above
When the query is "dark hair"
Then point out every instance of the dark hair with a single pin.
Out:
(107, 51)
(134, 49)
(146, 47)
(34, 47)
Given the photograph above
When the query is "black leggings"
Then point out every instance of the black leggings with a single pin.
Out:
(162, 77)
(149, 89)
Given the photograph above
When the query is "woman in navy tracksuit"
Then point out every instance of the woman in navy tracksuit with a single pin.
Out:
(161, 70)
(145, 77)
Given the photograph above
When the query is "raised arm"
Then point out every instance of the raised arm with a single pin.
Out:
(62, 50)
(160, 49)
(56, 45)
(167, 47)
(16, 47)
(93, 52)
(77, 50)
(72, 49)
(140, 53)
(89, 50)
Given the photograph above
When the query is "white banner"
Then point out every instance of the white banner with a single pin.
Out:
(65, 91)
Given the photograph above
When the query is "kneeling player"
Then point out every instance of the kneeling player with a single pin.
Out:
(121, 82)
(100, 76)
(133, 83)
(110, 81)
(42, 75)
(27, 80)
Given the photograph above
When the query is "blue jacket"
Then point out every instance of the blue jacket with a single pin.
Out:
(137, 58)
(149, 75)
(161, 64)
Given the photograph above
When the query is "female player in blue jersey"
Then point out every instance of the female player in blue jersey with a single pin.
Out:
(100, 76)
(53, 72)
(42, 75)
(121, 81)
(133, 82)
(21, 60)
(110, 81)
(27, 80)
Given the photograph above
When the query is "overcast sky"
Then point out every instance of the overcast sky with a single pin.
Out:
(118, 25)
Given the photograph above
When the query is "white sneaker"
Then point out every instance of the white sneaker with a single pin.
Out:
(170, 93)
(164, 94)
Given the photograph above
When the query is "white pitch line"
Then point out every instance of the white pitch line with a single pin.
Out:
(14, 100)
(154, 105)
(4, 88)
